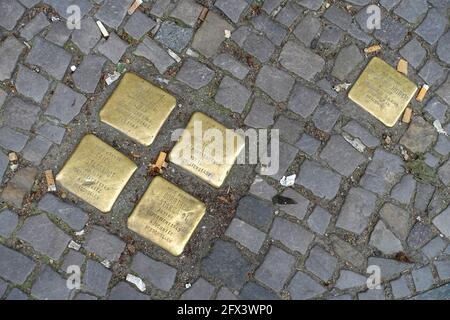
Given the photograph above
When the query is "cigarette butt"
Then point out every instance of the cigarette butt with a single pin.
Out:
(203, 14)
(402, 67)
(102, 28)
(372, 49)
(134, 6)
(161, 160)
(12, 157)
(422, 93)
(407, 115)
(51, 185)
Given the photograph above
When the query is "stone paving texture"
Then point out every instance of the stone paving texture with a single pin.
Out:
(269, 64)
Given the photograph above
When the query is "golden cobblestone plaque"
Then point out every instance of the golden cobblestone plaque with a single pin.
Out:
(96, 173)
(383, 92)
(138, 109)
(207, 149)
(166, 215)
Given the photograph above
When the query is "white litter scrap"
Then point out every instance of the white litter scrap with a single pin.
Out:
(188, 285)
(102, 28)
(106, 263)
(227, 34)
(73, 245)
(137, 282)
(438, 126)
(162, 80)
(192, 53)
(275, 12)
(342, 87)
(173, 55)
(73, 68)
(288, 181)
(355, 143)
(111, 78)
(79, 233)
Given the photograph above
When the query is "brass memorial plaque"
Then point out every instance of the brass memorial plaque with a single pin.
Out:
(207, 149)
(166, 215)
(96, 173)
(383, 92)
(138, 109)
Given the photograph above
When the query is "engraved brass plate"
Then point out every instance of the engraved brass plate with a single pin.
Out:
(138, 109)
(96, 173)
(166, 215)
(383, 92)
(206, 150)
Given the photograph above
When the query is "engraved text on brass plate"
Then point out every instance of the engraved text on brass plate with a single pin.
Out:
(96, 173)
(383, 92)
(166, 215)
(138, 109)
(201, 133)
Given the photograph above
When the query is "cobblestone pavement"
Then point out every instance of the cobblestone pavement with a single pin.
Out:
(387, 206)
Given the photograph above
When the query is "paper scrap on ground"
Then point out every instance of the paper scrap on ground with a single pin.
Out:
(288, 181)
(136, 281)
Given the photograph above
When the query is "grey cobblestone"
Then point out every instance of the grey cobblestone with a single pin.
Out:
(159, 274)
(20, 114)
(292, 235)
(112, 12)
(36, 149)
(124, 291)
(49, 285)
(341, 156)
(226, 263)
(246, 235)
(301, 61)
(96, 278)
(187, 11)
(73, 216)
(44, 236)
(10, 13)
(12, 140)
(303, 287)
(104, 244)
(195, 74)
(8, 223)
(174, 36)
(31, 84)
(255, 211)
(228, 63)
(155, 54)
(254, 43)
(200, 290)
(353, 216)
(321, 263)
(53, 59)
(298, 209)
(323, 182)
(14, 266)
(276, 268)
(113, 48)
(65, 104)
(232, 95)
(139, 24)
(10, 50)
(276, 83)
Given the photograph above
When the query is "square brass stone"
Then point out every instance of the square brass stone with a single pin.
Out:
(96, 173)
(166, 215)
(383, 92)
(201, 162)
(138, 109)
